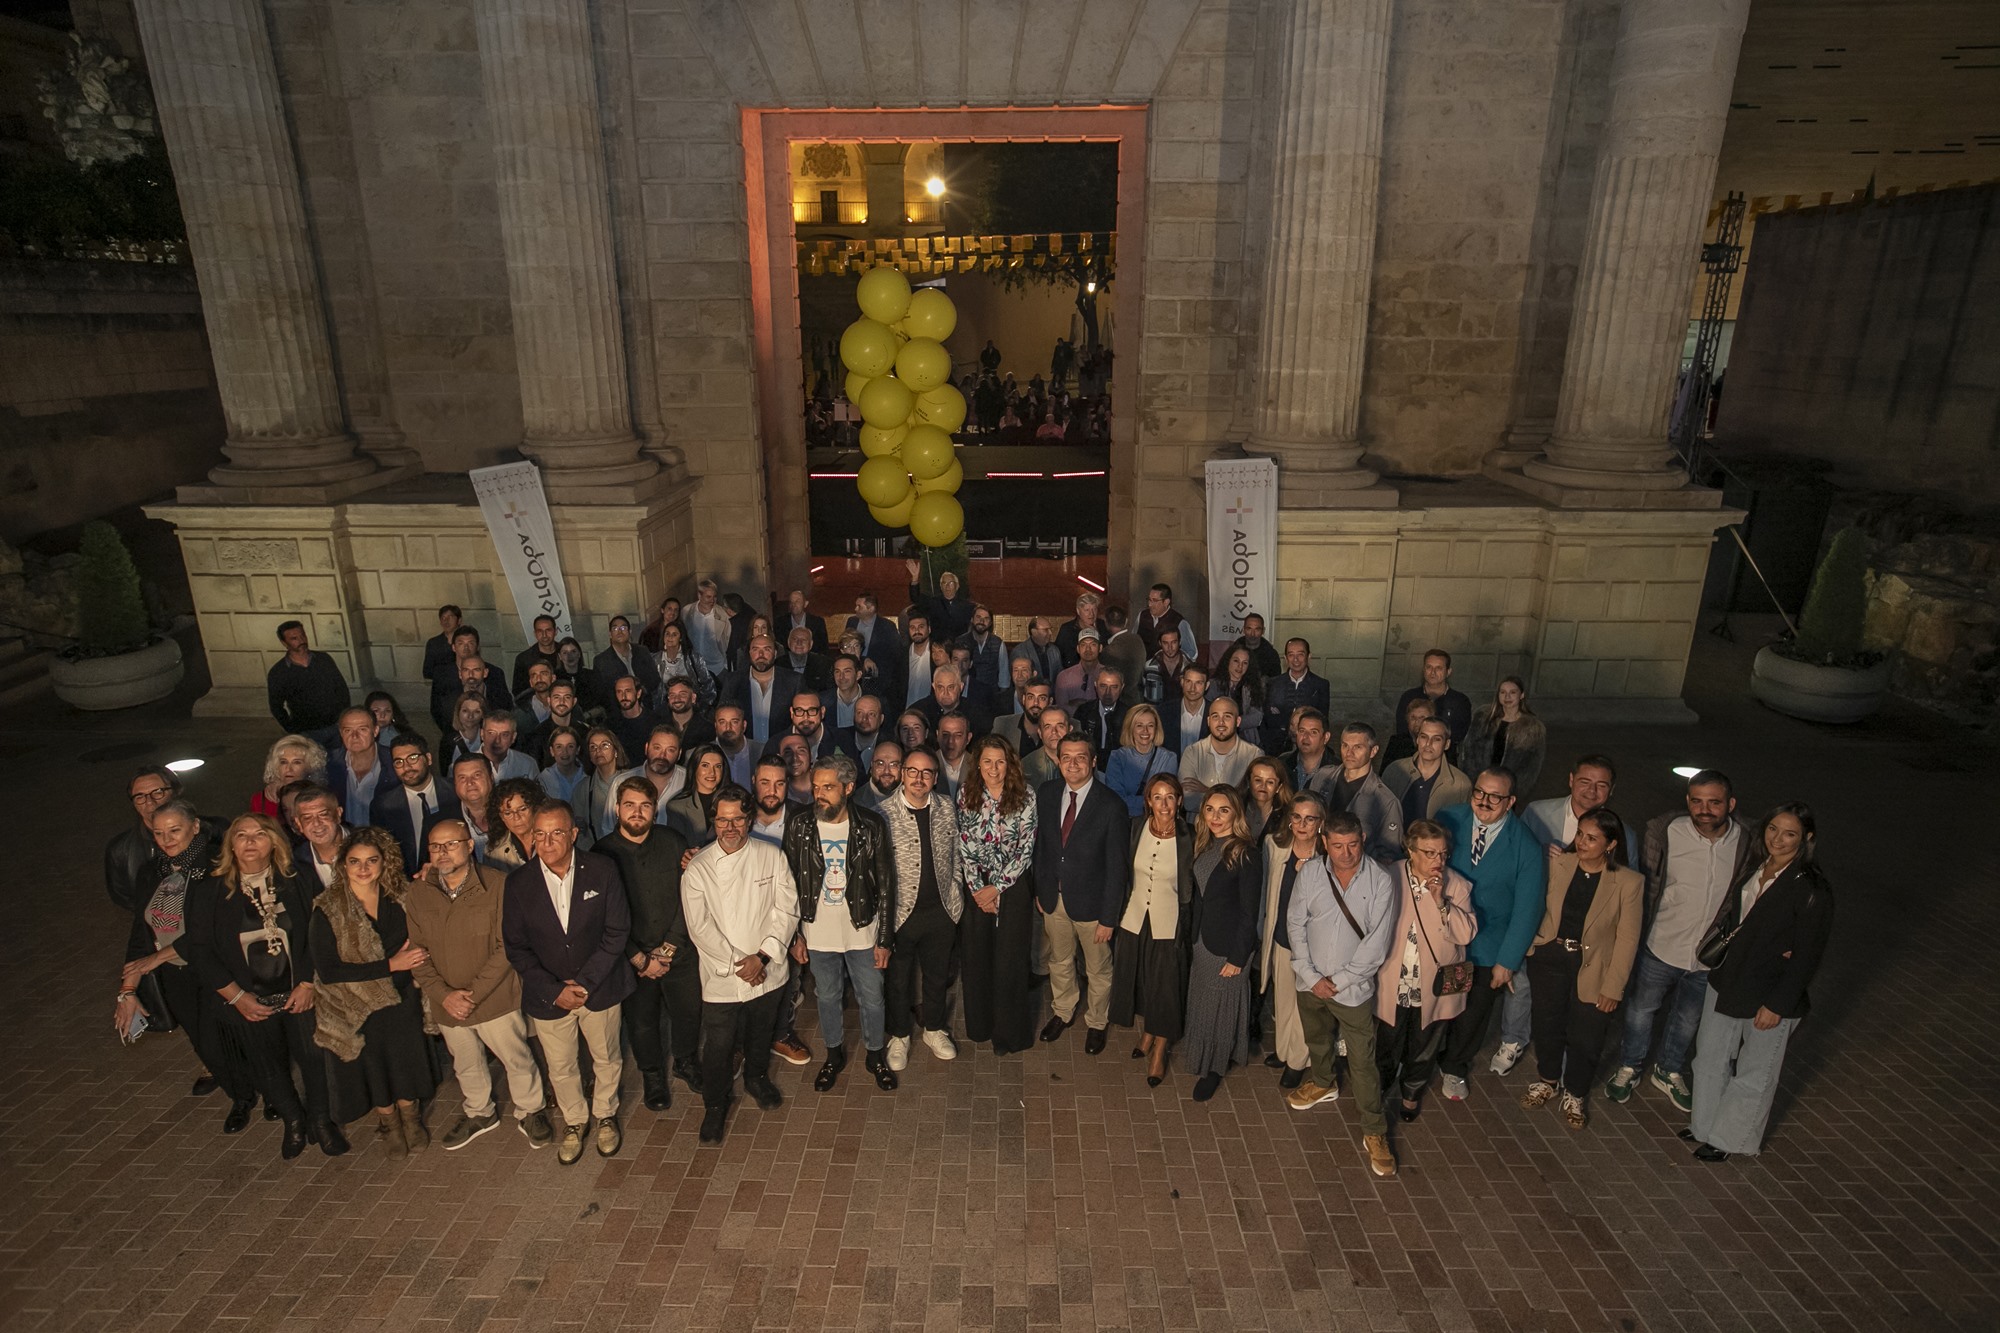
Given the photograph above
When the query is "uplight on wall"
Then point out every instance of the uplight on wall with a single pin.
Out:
(1686, 771)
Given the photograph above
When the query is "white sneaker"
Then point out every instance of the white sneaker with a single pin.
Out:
(899, 1053)
(941, 1044)
(1453, 1089)
(1508, 1056)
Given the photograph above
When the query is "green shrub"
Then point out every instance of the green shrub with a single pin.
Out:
(111, 613)
(1837, 606)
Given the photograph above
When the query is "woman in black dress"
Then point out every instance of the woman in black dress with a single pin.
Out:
(1222, 934)
(156, 980)
(245, 940)
(1148, 957)
(996, 844)
(370, 1019)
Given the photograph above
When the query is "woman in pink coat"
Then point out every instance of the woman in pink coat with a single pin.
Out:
(1435, 926)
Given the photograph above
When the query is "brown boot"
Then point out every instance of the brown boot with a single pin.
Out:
(389, 1131)
(412, 1116)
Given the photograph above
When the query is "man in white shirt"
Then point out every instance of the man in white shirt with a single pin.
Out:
(496, 742)
(1188, 720)
(839, 701)
(1690, 861)
(742, 911)
(1220, 760)
(917, 659)
(408, 808)
(707, 625)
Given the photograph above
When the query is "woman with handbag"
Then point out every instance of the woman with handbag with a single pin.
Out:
(1228, 883)
(245, 940)
(370, 1020)
(1761, 952)
(1149, 967)
(1422, 985)
(1582, 957)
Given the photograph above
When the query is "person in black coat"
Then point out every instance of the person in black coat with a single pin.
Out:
(407, 808)
(949, 610)
(1228, 882)
(441, 659)
(1776, 919)
(1298, 686)
(1082, 871)
(129, 853)
(799, 613)
(667, 980)
(625, 658)
(246, 937)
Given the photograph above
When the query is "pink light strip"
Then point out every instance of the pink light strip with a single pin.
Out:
(1036, 475)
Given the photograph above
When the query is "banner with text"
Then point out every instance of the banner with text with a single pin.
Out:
(517, 516)
(1242, 543)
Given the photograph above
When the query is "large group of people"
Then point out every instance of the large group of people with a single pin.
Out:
(657, 847)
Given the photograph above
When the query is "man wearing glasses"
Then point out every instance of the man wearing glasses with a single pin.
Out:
(808, 723)
(470, 987)
(130, 851)
(1510, 878)
(408, 809)
(316, 815)
(1293, 844)
(923, 840)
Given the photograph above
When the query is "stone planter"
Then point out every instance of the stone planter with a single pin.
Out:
(99, 684)
(1818, 693)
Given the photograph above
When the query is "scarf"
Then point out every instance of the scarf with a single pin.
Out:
(343, 1006)
(166, 909)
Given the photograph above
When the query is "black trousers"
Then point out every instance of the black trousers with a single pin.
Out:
(996, 952)
(1569, 1034)
(198, 1010)
(269, 1052)
(924, 942)
(674, 1001)
(728, 1028)
(1468, 1031)
(1406, 1052)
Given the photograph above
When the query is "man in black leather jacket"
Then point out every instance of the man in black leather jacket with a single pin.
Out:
(839, 854)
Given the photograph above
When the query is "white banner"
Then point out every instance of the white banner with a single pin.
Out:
(517, 516)
(1242, 543)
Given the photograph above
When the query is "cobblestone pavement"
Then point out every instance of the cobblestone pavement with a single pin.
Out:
(1052, 1189)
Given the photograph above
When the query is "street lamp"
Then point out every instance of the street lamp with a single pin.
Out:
(934, 187)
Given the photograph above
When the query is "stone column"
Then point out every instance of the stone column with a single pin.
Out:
(224, 121)
(535, 60)
(1328, 162)
(1671, 75)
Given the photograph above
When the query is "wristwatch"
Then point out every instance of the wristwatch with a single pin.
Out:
(763, 958)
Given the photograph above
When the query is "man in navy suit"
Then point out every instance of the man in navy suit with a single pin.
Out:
(406, 808)
(881, 643)
(564, 923)
(1297, 687)
(359, 766)
(1082, 870)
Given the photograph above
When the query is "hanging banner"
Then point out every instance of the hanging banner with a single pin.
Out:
(517, 516)
(1242, 543)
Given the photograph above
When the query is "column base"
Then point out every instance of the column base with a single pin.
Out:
(1320, 474)
(249, 486)
(638, 482)
(1524, 442)
(1570, 488)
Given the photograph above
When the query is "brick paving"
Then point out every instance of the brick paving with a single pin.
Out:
(1051, 1190)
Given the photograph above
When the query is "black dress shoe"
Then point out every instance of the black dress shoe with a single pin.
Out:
(1155, 1080)
(688, 1072)
(238, 1118)
(659, 1095)
(295, 1139)
(204, 1085)
(1291, 1078)
(765, 1093)
(1708, 1152)
(271, 1112)
(1407, 1113)
(1273, 1061)
(1684, 1134)
(1093, 1042)
(1054, 1028)
(328, 1136)
(829, 1073)
(713, 1123)
(1206, 1085)
(878, 1065)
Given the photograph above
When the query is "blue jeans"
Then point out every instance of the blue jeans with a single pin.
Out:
(1735, 1078)
(1652, 982)
(831, 971)
(1517, 1010)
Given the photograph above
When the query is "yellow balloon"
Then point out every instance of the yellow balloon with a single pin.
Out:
(943, 407)
(932, 315)
(923, 364)
(886, 402)
(883, 295)
(896, 515)
(936, 519)
(927, 452)
(856, 382)
(876, 441)
(882, 481)
(952, 478)
(868, 348)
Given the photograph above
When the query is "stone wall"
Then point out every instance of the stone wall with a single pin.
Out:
(108, 358)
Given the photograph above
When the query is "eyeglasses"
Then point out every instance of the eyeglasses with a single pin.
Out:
(446, 844)
(1481, 796)
(151, 794)
(927, 774)
(549, 834)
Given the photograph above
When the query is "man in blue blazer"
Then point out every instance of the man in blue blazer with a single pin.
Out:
(564, 924)
(360, 749)
(1510, 878)
(1083, 866)
(406, 808)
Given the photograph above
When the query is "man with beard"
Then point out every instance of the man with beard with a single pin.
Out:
(534, 701)
(684, 711)
(916, 664)
(989, 653)
(407, 810)
(885, 775)
(649, 855)
(732, 737)
(542, 650)
(772, 783)
(845, 694)
(662, 766)
(1023, 730)
(761, 690)
(630, 719)
(562, 713)
(807, 724)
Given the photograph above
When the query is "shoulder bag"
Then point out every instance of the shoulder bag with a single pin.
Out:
(1450, 978)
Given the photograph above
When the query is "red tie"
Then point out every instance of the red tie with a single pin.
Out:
(1069, 819)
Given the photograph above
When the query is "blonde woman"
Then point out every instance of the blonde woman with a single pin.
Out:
(290, 759)
(1222, 935)
(1139, 756)
(370, 1019)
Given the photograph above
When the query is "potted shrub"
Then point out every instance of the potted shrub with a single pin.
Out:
(117, 661)
(1823, 673)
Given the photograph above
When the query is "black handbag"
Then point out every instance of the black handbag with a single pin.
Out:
(1714, 945)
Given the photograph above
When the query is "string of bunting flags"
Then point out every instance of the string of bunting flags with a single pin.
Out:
(935, 255)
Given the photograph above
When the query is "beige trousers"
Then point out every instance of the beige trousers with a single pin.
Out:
(1290, 1036)
(507, 1037)
(560, 1038)
(1064, 936)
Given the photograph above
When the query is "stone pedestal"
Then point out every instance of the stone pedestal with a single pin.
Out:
(1672, 71)
(1314, 327)
(238, 180)
(367, 578)
(535, 59)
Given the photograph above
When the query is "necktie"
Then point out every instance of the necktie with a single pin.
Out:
(1478, 843)
(1069, 819)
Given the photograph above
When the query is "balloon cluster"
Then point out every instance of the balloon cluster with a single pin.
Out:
(899, 377)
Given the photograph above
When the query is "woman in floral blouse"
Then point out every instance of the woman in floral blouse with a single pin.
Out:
(996, 843)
